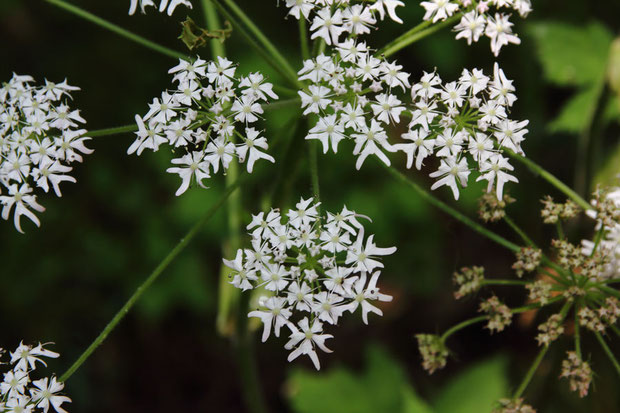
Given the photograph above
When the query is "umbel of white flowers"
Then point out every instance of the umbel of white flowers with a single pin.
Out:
(313, 268)
(40, 137)
(201, 116)
(22, 394)
(464, 123)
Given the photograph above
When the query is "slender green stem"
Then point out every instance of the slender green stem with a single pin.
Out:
(584, 142)
(282, 90)
(519, 232)
(291, 74)
(541, 355)
(538, 170)
(213, 23)
(413, 36)
(451, 211)
(530, 374)
(609, 290)
(405, 35)
(280, 104)
(577, 333)
(117, 29)
(612, 281)
(560, 229)
(246, 359)
(112, 131)
(607, 350)
(616, 330)
(535, 306)
(303, 38)
(252, 42)
(231, 304)
(463, 325)
(504, 282)
(314, 170)
(150, 279)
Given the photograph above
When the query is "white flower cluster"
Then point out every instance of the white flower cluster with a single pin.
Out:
(356, 97)
(333, 18)
(354, 94)
(163, 5)
(477, 19)
(39, 138)
(200, 116)
(315, 268)
(464, 123)
(610, 245)
(19, 394)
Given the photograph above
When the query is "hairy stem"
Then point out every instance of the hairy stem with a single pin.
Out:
(150, 279)
(117, 29)
(451, 211)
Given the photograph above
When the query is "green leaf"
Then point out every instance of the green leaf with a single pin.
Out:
(572, 55)
(382, 387)
(575, 115)
(476, 390)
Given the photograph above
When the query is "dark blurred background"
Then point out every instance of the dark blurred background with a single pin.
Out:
(64, 281)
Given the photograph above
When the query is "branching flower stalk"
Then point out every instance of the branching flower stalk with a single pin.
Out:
(312, 267)
(582, 282)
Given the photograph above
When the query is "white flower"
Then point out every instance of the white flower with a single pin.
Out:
(300, 7)
(362, 257)
(471, 27)
(25, 357)
(387, 109)
(306, 339)
(499, 30)
(450, 170)
(315, 101)
(421, 147)
(276, 316)
(370, 141)
(22, 200)
(362, 294)
(439, 9)
(14, 383)
(328, 26)
(358, 19)
(194, 166)
(492, 171)
(390, 7)
(328, 129)
(242, 277)
(45, 394)
(251, 145)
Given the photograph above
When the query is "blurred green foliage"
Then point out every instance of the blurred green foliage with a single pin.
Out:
(384, 387)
